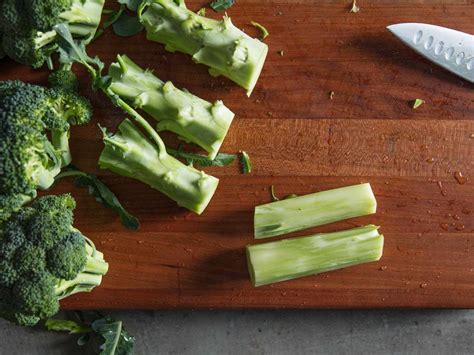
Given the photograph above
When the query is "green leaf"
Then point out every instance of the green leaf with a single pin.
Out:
(127, 26)
(417, 103)
(116, 340)
(114, 15)
(221, 5)
(131, 4)
(221, 160)
(262, 29)
(61, 325)
(103, 195)
(245, 163)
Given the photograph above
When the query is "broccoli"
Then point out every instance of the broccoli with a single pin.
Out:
(140, 153)
(130, 153)
(28, 159)
(220, 45)
(44, 259)
(196, 120)
(28, 34)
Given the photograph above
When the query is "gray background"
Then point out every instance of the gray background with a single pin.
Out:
(271, 332)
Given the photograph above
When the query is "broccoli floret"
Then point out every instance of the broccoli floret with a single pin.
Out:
(64, 79)
(29, 160)
(44, 259)
(28, 26)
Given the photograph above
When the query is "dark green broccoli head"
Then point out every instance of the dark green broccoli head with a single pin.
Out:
(43, 258)
(64, 79)
(53, 220)
(44, 14)
(30, 47)
(29, 160)
(65, 108)
(34, 294)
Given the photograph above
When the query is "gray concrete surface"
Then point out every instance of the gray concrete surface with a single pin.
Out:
(267, 332)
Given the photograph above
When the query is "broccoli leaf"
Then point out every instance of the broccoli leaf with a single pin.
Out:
(116, 340)
(221, 159)
(103, 195)
(131, 4)
(221, 5)
(62, 325)
(245, 163)
(127, 26)
(113, 17)
(102, 334)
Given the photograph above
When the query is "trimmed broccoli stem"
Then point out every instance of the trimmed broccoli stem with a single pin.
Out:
(297, 257)
(203, 123)
(83, 282)
(227, 50)
(83, 18)
(312, 210)
(45, 177)
(60, 140)
(130, 153)
(45, 38)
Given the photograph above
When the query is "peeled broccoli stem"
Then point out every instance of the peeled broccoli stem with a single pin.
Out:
(198, 121)
(90, 277)
(227, 50)
(297, 257)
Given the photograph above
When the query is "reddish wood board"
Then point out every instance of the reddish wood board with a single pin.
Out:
(300, 141)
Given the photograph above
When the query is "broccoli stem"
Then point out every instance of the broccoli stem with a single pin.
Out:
(227, 50)
(292, 258)
(60, 140)
(312, 210)
(130, 153)
(203, 123)
(44, 38)
(46, 177)
(90, 277)
(83, 18)
(84, 282)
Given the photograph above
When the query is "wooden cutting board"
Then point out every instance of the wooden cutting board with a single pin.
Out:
(300, 141)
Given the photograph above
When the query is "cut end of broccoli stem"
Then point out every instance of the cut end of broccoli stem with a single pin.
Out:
(313, 210)
(297, 257)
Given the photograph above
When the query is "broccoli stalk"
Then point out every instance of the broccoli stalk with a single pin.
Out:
(130, 153)
(292, 258)
(313, 210)
(196, 120)
(90, 277)
(227, 50)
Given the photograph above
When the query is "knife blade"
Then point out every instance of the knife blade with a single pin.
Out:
(451, 49)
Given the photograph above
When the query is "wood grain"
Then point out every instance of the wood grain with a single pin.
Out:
(300, 141)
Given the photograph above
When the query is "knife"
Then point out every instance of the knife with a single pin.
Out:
(453, 50)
